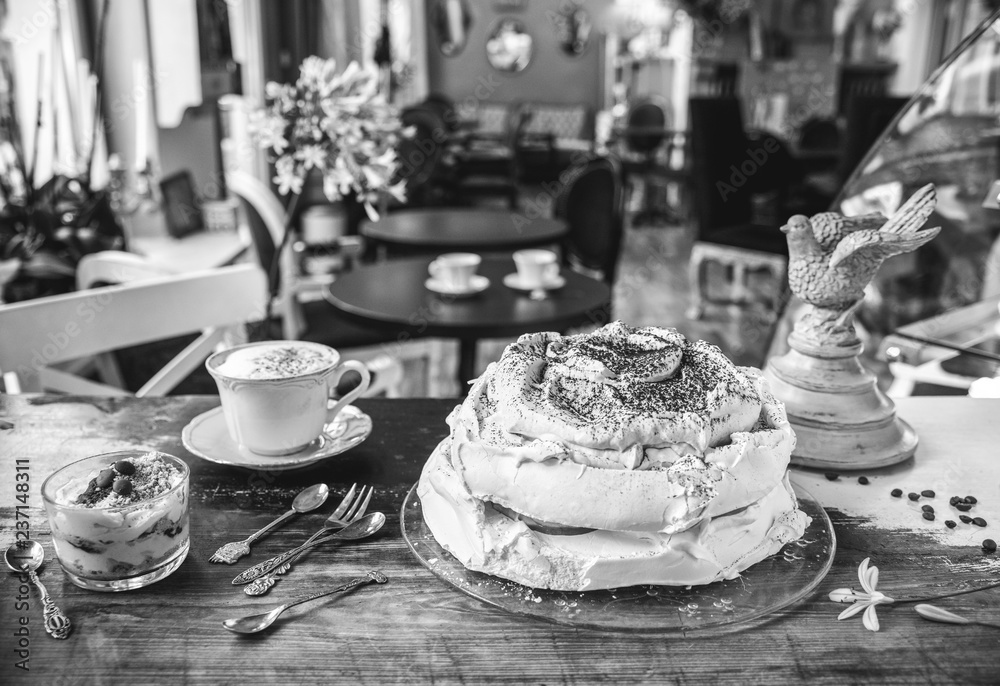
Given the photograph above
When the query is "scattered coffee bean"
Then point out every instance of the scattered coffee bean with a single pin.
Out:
(989, 545)
(927, 493)
(950, 523)
(913, 496)
(123, 486)
(863, 480)
(963, 507)
(927, 508)
(954, 500)
(105, 478)
(966, 519)
(125, 467)
(979, 521)
(832, 476)
(929, 516)
(971, 500)
(896, 492)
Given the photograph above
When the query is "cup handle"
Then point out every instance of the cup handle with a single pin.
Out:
(434, 269)
(366, 379)
(551, 272)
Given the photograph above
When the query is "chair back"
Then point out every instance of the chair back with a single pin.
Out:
(35, 334)
(420, 154)
(867, 118)
(819, 133)
(591, 204)
(444, 107)
(646, 114)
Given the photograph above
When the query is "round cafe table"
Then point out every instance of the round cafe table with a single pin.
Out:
(476, 229)
(392, 297)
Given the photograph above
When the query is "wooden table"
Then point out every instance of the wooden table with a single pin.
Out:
(474, 229)
(391, 296)
(417, 629)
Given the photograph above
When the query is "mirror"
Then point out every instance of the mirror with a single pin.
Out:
(573, 27)
(509, 46)
(452, 21)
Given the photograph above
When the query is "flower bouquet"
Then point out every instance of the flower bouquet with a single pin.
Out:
(337, 125)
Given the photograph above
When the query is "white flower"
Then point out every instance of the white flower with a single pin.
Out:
(866, 600)
(289, 178)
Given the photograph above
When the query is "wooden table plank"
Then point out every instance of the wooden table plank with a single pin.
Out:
(417, 629)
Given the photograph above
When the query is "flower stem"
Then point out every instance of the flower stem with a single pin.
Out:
(947, 595)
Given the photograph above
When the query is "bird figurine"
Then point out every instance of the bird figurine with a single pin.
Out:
(831, 258)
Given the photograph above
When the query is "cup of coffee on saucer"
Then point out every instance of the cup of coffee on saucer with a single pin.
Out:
(275, 393)
(454, 273)
(537, 272)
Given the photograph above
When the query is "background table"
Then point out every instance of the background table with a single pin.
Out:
(417, 629)
(463, 229)
(391, 296)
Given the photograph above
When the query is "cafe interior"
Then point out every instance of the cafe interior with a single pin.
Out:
(656, 147)
(651, 305)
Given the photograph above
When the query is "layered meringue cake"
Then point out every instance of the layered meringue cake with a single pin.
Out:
(620, 457)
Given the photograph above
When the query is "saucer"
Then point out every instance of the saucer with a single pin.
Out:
(477, 284)
(207, 437)
(514, 281)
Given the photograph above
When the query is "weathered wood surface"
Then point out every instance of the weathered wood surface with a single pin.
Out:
(417, 629)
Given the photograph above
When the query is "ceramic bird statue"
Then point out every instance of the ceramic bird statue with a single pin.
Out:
(831, 258)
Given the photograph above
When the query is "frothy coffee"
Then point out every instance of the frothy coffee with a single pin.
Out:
(276, 361)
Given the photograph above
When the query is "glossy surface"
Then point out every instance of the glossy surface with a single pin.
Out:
(466, 229)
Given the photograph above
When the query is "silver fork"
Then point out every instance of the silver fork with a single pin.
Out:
(350, 509)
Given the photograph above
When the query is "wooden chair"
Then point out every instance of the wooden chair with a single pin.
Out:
(37, 334)
(486, 168)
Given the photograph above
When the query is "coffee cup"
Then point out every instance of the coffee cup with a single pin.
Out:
(275, 393)
(536, 268)
(455, 269)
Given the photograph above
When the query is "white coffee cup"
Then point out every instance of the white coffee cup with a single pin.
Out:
(275, 393)
(536, 268)
(455, 269)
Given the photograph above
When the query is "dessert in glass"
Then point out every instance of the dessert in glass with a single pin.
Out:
(119, 520)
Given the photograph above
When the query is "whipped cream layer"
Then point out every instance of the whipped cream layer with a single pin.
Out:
(622, 449)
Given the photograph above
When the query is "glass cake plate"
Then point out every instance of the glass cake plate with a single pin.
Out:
(762, 590)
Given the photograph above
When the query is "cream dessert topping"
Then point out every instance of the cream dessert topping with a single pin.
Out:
(626, 454)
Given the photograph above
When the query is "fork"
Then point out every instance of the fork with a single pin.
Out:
(350, 509)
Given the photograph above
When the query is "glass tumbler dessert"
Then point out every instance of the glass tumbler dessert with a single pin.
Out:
(119, 520)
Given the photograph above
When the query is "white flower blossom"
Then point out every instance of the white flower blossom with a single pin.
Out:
(866, 600)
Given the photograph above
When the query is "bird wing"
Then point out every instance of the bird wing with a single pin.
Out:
(880, 244)
(913, 213)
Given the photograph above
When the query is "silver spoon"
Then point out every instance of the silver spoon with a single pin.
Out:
(26, 557)
(254, 623)
(362, 528)
(306, 501)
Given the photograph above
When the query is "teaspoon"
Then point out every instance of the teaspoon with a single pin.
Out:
(26, 557)
(306, 501)
(362, 528)
(254, 623)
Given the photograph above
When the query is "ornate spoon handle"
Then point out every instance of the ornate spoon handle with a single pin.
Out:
(373, 577)
(266, 566)
(263, 583)
(56, 623)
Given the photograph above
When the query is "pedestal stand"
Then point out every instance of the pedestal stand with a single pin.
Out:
(841, 418)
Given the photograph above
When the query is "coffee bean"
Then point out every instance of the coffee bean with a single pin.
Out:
(989, 545)
(950, 523)
(927, 493)
(832, 476)
(954, 500)
(966, 519)
(971, 500)
(913, 496)
(125, 467)
(929, 516)
(927, 508)
(122, 486)
(896, 492)
(963, 507)
(105, 478)
(863, 480)
(979, 521)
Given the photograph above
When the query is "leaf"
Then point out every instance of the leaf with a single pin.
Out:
(937, 614)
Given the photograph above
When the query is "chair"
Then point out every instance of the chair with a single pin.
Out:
(645, 134)
(730, 175)
(486, 168)
(862, 80)
(868, 117)
(304, 314)
(420, 155)
(37, 334)
(591, 203)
